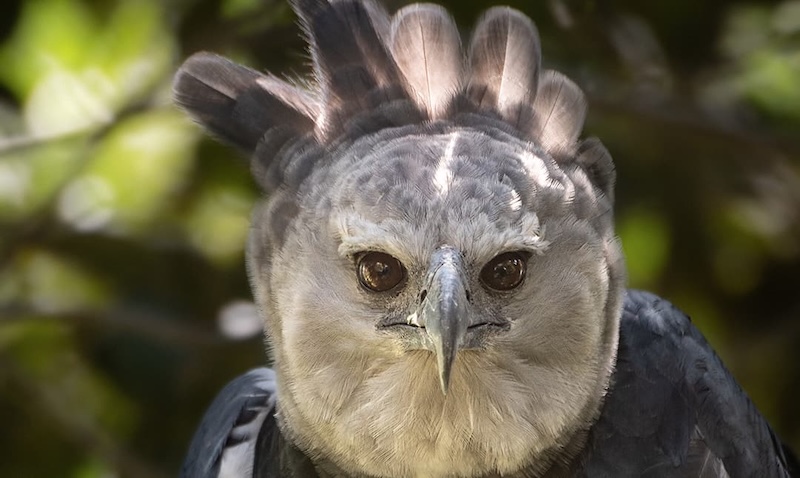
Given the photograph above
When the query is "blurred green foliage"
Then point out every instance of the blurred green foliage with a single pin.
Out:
(122, 228)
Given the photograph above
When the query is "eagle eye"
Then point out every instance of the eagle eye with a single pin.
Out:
(379, 272)
(505, 272)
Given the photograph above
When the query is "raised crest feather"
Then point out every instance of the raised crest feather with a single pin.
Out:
(505, 58)
(374, 71)
(427, 47)
(354, 70)
(560, 107)
(238, 104)
(593, 156)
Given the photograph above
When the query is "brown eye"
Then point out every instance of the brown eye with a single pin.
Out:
(380, 272)
(505, 271)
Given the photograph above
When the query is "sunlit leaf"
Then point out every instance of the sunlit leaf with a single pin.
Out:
(73, 72)
(771, 79)
(137, 167)
(219, 219)
(50, 34)
(48, 283)
(63, 102)
(135, 49)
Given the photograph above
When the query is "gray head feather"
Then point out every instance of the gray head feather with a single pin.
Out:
(405, 146)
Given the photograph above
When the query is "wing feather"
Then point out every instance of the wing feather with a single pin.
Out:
(224, 443)
(674, 409)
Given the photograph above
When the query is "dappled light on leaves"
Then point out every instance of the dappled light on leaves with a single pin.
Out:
(44, 283)
(140, 165)
(124, 301)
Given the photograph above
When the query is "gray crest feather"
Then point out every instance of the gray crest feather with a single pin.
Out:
(593, 156)
(374, 72)
(505, 58)
(354, 70)
(238, 104)
(560, 107)
(426, 45)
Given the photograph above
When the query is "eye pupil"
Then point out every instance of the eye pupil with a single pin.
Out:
(379, 272)
(504, 272)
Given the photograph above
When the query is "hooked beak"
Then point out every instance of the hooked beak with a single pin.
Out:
(445, 321)
(444, 310)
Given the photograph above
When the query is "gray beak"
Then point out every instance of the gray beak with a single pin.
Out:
(444, 310)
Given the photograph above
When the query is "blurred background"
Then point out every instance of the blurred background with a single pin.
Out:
(124, 304)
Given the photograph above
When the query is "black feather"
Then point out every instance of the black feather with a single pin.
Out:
(673, 409)
(238, 104)
(355, 71)
(247, 400)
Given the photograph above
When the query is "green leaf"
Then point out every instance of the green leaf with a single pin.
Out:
(133, 173)
(49, 35)
(51, 284)
(218, 220)
(73, 73)
(31, 177)
(771, 80)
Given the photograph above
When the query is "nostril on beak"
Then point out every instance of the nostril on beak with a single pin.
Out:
(469, 296)
(422, 296)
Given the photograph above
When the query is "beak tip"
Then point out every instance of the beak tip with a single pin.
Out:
(445, 366)
(444, 381)
(443, 312)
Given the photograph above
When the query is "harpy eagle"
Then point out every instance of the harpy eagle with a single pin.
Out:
(441, 286)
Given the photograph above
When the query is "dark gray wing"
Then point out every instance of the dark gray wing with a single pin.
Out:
(224, 444)
(674, 410)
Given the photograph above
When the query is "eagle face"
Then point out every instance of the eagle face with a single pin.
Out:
(439, 295)
(436, 260)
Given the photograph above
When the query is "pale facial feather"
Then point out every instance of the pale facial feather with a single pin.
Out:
(347, 387)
